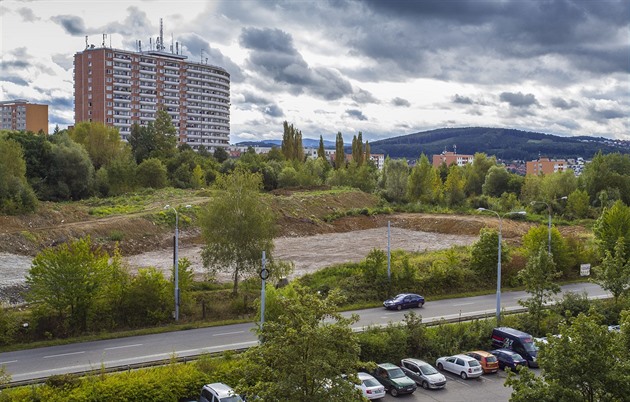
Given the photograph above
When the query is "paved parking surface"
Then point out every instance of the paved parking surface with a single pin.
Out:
(488, 387)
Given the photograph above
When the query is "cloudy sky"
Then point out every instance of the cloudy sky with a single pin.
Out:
(383, 67)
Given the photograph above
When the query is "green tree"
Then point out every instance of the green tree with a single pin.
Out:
(394, 179)
(557, 185)
(321, 152)
(164, 135)
(101, 142)
(454, 187)
(585, 363)
(141, 141)
(578, 204)
(16, 195)
(151, 173)
(613, 224)
(484, 254)
(539, 278)
(538, 236)
(304, 353)
(614, 273)
(237, 226)
(64, 280)
(121, 173)
(149, 299)
(497, 181)
(71, 174)
(220, 154)
(476, 172)
(419, 182)
(340, 156)
(608, 173)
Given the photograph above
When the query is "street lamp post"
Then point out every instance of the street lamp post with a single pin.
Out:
(176, 260)
(549, 221)
(498, 312)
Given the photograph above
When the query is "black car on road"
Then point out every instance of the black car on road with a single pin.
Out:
(404, 300)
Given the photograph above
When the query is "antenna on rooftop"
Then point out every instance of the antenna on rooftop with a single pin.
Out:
(150, 43)
(172, 44)
(139, 46)
(86, 42)
(104, 37)
(176, 47)
(161, 45)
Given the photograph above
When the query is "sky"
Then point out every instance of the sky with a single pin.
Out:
(383, 67)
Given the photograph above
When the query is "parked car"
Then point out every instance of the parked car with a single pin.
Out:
(370, 387)
(509, 359)
(462, 365)
(488, 361)
(423, 373)
(404, 300)
(218, 392)
(614, 328)
(394, 379)
(518, 341)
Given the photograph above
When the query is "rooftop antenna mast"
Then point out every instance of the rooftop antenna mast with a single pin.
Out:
(86, 42)
(104, 37)
(172, 43)
(161, 45)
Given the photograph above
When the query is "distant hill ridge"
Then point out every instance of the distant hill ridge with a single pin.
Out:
(504, 143)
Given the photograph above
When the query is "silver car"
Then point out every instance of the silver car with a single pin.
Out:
(423, 373)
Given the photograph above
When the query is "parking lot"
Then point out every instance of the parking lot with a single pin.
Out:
(488, 387)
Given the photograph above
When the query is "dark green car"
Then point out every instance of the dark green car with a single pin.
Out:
(394, 379)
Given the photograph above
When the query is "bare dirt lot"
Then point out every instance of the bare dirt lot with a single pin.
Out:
(305, 235)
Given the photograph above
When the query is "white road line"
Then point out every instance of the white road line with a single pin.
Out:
(64, 354)
(483, 377)
(8, 361)
(229, 333)
(463, 304)
(123, 347)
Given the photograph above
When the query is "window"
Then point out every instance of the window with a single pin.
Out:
(108, 63)
(89, 55)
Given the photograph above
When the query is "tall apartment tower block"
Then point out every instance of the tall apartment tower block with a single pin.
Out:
(120, 88)
(21, 115)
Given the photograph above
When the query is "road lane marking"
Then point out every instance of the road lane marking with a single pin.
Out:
(229, 333)
(9, 361)
(463, 304)
(64, 354)
(124, 346)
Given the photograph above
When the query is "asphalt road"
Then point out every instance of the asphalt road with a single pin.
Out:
(43, 362)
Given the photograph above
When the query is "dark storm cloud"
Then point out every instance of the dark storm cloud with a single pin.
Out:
(57, 119)
(464, 100)
(27, 15)
(71, 23)
(356, 114)
(452, 40)
(61, 103)
(261, 103)
(14, 64)
(518, 99)
(400, 102)
(560, 103)
(273, 111)
(362, 96)
(274, 56)
(606, 114)
(196, 45)
(14, 79)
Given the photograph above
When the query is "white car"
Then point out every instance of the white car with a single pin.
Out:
(371, 388)
(462, 365)
(218, 392)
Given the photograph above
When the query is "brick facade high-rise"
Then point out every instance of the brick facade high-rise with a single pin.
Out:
(120, 88)
(21, 115)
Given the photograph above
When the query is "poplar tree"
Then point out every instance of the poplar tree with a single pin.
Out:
(340, 156)
(321, 153)
(360, 158)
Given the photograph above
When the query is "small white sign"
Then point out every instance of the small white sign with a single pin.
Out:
(585, 269)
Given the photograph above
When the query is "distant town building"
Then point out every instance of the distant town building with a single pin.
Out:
(451, 158)
(378, 159)
(119, 88)
(21, 115)
(546, 166)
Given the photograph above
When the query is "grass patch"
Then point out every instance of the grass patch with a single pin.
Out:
(116, 235)
(29, 236)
